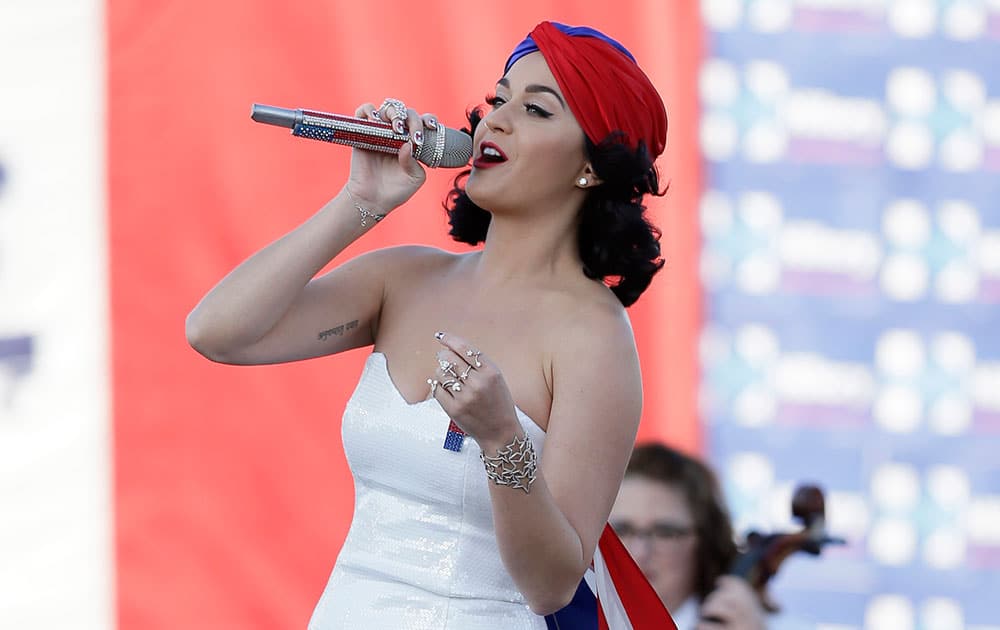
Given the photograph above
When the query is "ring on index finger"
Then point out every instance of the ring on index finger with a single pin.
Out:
(399, 109)
(465, 373)
(474, 355)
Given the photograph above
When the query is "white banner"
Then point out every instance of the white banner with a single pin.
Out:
(55, 502)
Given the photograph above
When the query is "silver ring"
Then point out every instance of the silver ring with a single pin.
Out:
(397, 105)
(447, 367)
(434, 385)
(474, 355)
(452, 385)
(465, 373)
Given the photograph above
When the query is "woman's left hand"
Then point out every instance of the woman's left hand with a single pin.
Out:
(473, 392)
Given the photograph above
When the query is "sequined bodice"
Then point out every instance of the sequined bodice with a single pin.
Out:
(421, 551)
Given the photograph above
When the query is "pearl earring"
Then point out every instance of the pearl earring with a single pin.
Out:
(582, 181)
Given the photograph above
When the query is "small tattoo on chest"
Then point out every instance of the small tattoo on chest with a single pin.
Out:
(337, 330)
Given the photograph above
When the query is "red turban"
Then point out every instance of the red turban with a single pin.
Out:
(603, 85)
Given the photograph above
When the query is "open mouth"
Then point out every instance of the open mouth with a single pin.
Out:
(489, 155)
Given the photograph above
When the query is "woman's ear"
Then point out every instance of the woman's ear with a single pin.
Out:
(586, 178)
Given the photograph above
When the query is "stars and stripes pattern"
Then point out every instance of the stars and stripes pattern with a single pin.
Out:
(614, 595)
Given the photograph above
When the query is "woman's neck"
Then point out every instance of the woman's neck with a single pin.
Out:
(519, 248)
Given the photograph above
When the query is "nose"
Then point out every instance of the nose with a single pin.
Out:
(496, 121)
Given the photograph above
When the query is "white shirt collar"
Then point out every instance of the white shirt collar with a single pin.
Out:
(686, 615)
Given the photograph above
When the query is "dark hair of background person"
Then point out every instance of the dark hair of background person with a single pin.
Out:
(617, 243)
(716, 549)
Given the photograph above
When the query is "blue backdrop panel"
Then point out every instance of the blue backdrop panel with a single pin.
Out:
(851, 264)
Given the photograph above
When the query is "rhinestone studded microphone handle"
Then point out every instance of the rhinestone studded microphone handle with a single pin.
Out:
(349, 131)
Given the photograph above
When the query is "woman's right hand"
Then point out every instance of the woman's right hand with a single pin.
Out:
(381, 182)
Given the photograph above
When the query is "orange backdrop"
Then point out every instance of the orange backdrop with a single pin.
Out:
(232, 495)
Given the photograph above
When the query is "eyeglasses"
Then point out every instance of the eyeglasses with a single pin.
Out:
(656, 533)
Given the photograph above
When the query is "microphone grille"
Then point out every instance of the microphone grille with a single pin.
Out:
(445, 147)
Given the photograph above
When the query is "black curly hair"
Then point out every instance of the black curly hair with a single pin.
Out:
(618, 245)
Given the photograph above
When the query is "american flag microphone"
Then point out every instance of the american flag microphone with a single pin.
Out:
(442, 147)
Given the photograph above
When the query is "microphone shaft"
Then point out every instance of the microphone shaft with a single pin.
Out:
(346, 130)
(276, 115)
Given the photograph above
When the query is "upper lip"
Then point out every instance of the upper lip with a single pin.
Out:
(489, 145)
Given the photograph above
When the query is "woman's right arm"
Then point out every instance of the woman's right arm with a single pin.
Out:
(270, 309)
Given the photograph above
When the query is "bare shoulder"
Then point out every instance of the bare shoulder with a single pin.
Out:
(400, 266)
(593, 352)
(401, 257)
(593, 324)
(594, 355)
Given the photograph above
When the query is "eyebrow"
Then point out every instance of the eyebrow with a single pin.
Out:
(535, 88)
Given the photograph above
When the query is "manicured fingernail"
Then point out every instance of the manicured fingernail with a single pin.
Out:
(439, 335)
(418, 137)
(432, 123)
(397, 126)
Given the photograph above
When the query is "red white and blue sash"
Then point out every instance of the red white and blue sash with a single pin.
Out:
(613, 595)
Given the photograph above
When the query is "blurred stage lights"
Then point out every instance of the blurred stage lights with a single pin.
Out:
(963, 249)
(898, 409)
(943, 253)
(958, 20)
(951, 415)
(751, 473)
(941, 613)
(912, 18)
(940, 119)
(890, 611)
(750, 245)
(848, 514)
(892, 541)
(945, 549)
(982, 522)
(934, 383)
(949, 487)
(899, 353)
(895, 487)
(906, 223)
(925, 121)
(922, 118)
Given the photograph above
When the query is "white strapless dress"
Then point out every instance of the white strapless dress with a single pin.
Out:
(421, 552)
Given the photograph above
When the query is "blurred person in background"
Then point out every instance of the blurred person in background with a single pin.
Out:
(671, 516)
(520, 344)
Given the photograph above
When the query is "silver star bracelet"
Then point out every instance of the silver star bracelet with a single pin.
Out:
(515, 465)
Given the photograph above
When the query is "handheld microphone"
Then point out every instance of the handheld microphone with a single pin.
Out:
(443, 146)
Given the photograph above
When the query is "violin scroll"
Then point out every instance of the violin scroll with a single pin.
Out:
(764, 553)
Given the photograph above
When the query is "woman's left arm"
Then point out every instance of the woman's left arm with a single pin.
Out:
(547, 536)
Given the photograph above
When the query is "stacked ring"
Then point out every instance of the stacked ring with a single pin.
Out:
(399, 109)
(447, 367)
(474, 355)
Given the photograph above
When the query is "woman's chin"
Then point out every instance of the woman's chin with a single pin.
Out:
(478, 194)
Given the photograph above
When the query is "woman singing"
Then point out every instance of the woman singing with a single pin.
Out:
(492, 423)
